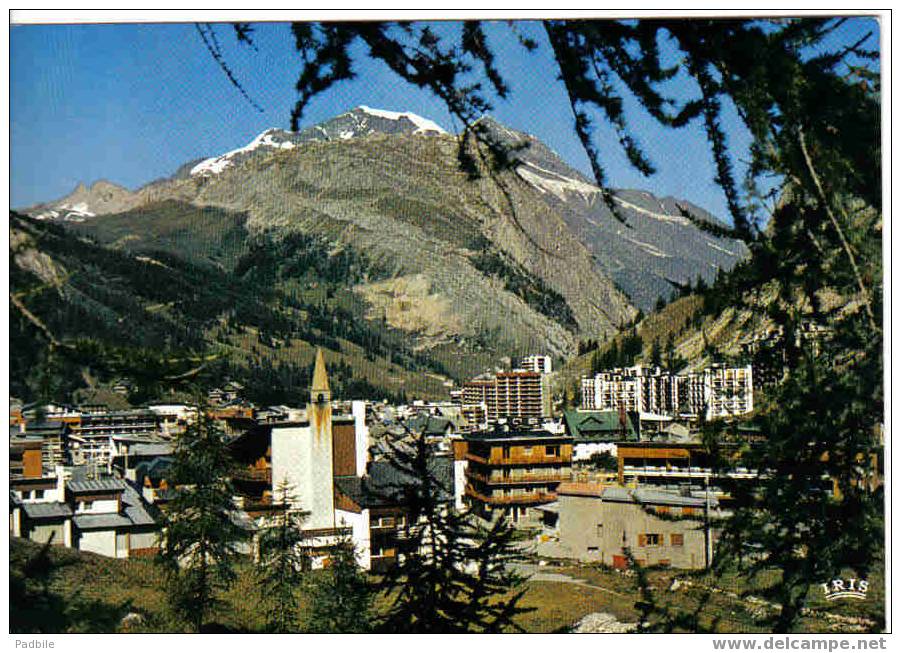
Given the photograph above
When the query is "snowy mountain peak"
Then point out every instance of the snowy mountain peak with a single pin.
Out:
(84, 202)
(359, 122)
(271, 138)
(423, 125)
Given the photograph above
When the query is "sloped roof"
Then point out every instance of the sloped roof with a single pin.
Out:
(104, 520)
(157, 469)
(385, 482)
(615, 493)
(136, 509)
(430, 424)
(641, 495)
(657, 497)
(152, 449)
(600, 425)
(96, 485)
(48, 510)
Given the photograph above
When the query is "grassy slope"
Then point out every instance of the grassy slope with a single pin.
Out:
(201, 234)
(219, 237)
(147, 293)
(90, 593)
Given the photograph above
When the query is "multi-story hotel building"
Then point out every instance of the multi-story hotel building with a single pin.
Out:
(728, 391)
(535, 363)
(509, 473)
(510, 396)
(714, 392)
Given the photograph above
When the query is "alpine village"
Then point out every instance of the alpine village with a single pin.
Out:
(333, 381)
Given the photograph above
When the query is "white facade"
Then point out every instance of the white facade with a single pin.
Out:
(728, 391)
(459, 484)
(102, 542)
(46, 495)
(536, 363)
(361, 436)
(97, 507)
(302, 455)
(585, 450)
(714, 392)
(359, 523)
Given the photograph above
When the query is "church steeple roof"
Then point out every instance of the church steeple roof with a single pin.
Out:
(320, 377)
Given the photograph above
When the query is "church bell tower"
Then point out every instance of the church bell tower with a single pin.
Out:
(302, 454)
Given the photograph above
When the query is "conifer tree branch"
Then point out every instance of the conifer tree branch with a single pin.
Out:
(212, 46)
(846, 246)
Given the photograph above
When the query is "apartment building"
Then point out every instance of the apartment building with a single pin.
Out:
(100, 436)
(517, 396)
(728, 391)
(682, 465)
(510, 473)
(713, 393)
(535, 363)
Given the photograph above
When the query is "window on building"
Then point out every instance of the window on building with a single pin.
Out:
(527, 451)
(676, 539)
(552, 450)
(649, 539)
(599, 529)
(592, 549)
(85, 505)
(38, 494)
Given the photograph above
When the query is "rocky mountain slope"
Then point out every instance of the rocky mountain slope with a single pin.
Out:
(656, 246)
(466, 270)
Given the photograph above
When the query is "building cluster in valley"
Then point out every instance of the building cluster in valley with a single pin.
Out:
(589, 483)
(712, 393)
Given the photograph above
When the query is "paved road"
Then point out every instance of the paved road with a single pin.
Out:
(535, 572)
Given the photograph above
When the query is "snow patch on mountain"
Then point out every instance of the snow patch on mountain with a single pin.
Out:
(548, 181)
(68, 212)
(423, 125)
(215, 165)
(678, 219)
(721, 249)
(647, 247)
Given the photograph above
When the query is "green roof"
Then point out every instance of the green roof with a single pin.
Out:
(603, 425)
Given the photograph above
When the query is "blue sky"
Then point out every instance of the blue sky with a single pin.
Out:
(131, 103)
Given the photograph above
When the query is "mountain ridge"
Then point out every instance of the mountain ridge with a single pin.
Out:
(525, 257)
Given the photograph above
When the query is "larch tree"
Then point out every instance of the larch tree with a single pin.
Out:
(282, 560)
(201, 538)
(454, 574)
(341, 596)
